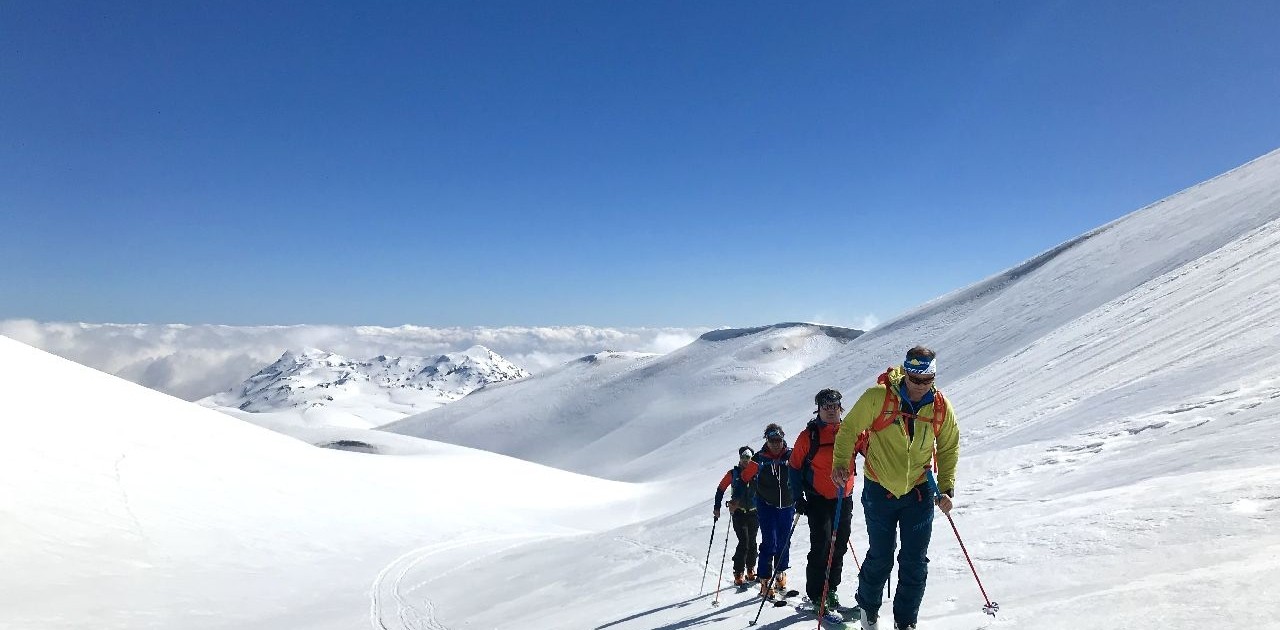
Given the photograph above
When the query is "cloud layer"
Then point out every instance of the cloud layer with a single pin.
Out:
(192, 362)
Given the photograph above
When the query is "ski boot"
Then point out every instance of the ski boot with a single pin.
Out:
(765, 591)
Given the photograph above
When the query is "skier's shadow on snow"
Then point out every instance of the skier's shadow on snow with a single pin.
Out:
(715, 612)
(785, 622)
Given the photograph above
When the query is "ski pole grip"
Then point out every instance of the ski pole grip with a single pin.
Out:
(933, 483)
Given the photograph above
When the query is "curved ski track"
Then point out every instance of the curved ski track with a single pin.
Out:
(390, 609)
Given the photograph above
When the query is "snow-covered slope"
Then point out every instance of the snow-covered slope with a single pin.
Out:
(1117, 396)
(598, 413)
(124, 508)
(318, 388)
(1017, 348)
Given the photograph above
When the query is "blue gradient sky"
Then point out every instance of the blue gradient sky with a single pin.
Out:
(604, 163)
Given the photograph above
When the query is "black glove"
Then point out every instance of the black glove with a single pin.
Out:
(802, 506)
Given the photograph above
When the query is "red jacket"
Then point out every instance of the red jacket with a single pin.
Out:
(818, 479)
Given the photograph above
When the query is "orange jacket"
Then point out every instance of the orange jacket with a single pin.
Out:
(818, 478)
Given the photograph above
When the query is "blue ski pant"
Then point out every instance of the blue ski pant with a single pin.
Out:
(888, 518)
(775, 528)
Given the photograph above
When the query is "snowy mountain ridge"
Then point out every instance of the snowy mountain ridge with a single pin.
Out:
(313, 378)
(608, 409)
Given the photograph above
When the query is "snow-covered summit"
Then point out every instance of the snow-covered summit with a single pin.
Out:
(368, 392)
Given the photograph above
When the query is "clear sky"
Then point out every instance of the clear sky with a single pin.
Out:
(596, 162)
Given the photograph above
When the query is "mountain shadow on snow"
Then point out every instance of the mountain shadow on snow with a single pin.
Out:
(835, 332)
(354, 446)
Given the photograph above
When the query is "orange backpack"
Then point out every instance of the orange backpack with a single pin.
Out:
(892, 409)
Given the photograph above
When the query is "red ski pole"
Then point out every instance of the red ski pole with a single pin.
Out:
(991, 608)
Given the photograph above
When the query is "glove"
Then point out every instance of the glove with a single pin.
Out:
(802, 506)
(716, 512)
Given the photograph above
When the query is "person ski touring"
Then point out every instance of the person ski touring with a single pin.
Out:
(745, 516)
(811, 458)
(908, 427)
(776, 489)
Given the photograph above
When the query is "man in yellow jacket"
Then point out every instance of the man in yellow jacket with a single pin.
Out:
(906, 420)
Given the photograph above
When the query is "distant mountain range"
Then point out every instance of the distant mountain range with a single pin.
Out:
(321, 387)
(607, 413)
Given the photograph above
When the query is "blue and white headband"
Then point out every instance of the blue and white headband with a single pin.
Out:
(916, 365)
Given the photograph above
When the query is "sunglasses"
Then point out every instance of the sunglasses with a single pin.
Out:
(830, 407)
(915, 380)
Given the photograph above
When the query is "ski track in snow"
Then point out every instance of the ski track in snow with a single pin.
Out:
(421, 616)
(678, 555)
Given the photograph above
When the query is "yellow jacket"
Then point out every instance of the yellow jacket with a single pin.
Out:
(891, 460)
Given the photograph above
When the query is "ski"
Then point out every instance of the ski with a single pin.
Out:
(840, 619)
(780, 600)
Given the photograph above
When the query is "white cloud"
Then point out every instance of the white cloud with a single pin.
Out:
(191, 362)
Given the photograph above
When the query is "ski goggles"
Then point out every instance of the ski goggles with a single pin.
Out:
(920, 380)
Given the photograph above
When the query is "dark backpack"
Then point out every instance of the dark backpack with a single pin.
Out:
(815, 438)
(740, 491)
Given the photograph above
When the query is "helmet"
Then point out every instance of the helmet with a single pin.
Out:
(827, 397)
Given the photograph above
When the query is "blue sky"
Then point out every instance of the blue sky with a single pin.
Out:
(604, 163)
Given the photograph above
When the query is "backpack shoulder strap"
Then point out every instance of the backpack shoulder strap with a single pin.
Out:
(888, 412)
(939, 412)
(815, 440)
(939, 418)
